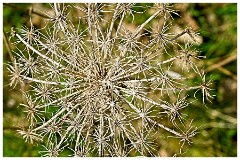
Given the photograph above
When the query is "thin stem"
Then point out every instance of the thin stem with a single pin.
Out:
(164, 127)
(34, 50)
(145, 23)
(152, 53)
(56, 54)
(112, 22)
(57, 100)
(42, 81)
(50, 120)
(6, 42)
(100, 149)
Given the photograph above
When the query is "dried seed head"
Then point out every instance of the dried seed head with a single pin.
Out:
(98, 88)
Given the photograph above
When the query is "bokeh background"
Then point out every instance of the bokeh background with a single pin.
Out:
(217, 25)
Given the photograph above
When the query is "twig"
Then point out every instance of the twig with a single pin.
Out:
(6, 42)
(10, 128)
(227, 72)
(215, 113)
(219, 65)
(222, 63)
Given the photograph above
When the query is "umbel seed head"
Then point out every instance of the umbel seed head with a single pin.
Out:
(100, 85)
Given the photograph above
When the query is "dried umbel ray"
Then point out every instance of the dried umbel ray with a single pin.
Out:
(100, 88)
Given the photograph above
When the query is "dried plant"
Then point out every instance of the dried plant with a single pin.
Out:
(103, 88)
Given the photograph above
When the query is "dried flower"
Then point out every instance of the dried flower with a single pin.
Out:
(98, 88)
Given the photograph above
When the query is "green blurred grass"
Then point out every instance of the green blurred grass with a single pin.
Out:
(217, 24)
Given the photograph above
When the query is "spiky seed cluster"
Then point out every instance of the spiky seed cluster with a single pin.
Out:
(98, 88)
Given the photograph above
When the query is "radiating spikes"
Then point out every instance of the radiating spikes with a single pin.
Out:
(106, 86)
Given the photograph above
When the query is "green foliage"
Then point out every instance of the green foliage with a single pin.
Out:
(14, 146)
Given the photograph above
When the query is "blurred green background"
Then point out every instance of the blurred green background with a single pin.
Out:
(217, 25)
